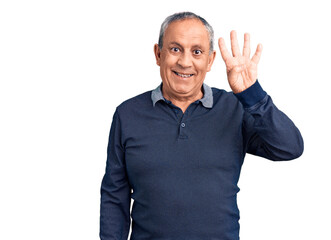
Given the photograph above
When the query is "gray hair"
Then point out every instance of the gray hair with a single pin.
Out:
(182, 16)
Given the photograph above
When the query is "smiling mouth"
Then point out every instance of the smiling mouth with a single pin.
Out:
(183, 75)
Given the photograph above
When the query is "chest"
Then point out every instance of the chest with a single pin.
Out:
(169, 144)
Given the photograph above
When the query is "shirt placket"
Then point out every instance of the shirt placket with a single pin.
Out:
(182, 122)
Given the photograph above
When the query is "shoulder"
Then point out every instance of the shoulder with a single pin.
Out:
(227, 107)
(223, 98)
(138, 102)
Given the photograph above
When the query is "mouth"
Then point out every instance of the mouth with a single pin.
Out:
(183, 75)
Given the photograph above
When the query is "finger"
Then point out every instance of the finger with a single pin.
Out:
(257, 55)
(224, 51)
(247, 48)
(234, 44)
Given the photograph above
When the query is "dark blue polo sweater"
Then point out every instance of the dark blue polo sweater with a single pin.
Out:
(181, 169)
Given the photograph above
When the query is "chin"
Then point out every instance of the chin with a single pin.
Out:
(183, 88)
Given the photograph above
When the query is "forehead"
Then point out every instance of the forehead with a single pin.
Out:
(187, 32)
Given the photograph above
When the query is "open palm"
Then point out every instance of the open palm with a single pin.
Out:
(240, 68)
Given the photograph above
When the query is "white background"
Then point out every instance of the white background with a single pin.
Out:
(66, 65)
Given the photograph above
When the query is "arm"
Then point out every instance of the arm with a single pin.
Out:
(267, 131)
(115, 190)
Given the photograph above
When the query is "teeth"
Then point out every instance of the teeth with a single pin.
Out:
(184, 75)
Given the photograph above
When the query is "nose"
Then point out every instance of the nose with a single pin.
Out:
(185, 60)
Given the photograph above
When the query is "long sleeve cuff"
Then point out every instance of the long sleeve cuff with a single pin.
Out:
(251, 95)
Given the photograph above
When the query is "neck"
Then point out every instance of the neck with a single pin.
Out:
(183, 101)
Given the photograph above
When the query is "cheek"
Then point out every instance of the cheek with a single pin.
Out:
(167, 65)
(170, 60)
(202, 67)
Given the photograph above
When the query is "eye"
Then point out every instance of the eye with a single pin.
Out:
(175, 49)
(197, 52)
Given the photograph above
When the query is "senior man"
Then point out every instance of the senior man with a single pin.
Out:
(178, 150)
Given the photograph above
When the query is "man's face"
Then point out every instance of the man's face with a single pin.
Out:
(184, 58)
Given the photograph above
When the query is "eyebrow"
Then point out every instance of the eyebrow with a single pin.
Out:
(175, 43)
(195, 46)
(198, 46)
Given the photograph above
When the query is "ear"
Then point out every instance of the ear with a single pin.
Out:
(157, 52)
(211, 59)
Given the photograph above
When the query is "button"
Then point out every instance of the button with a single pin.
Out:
(183, 124)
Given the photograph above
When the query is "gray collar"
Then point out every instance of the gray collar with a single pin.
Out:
(206, 100)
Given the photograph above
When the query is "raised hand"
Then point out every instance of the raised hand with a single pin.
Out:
(240, 68)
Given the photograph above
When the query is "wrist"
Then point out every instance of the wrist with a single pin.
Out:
(243, 87)
(251, 95)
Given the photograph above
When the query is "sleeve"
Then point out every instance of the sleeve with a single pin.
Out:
(267, 131)
(115, 189)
